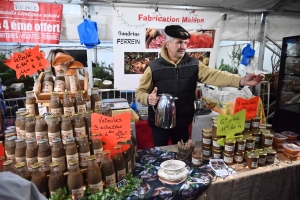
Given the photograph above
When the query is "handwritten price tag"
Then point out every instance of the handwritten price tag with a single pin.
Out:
(27, 63)
(111, 129)
(250, 105)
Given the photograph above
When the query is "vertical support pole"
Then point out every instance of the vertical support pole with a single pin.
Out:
(90, 68)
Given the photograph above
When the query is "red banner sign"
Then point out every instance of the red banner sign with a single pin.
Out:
(29, 22)
(250, 105)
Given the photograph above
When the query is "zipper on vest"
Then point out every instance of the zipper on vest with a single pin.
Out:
(177, 73)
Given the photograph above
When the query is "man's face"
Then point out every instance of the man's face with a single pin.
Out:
(176, 48)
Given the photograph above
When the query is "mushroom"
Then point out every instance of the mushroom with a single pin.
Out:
(72, 74)
(76, 65)
(62, 60)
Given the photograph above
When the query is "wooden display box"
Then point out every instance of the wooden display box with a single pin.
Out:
(45, 97)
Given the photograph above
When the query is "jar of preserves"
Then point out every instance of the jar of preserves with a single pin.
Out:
(126, 154)
(30, 127)
(84, 150)
(44, 155)
(206, 151)
(108, 170)
(214, 130)
(53, 128)
(55, 104)
(267, 139)
(255, 122)
(68, 105)
(22, 124)
(56, 178)
(215, 143)
(58, 154)
(228, 158)
(252, 160)
(247, 125)
(94, 175)
(87, 119)
(20, 151)
(271, 153)
(197, 158)
(80, 105)
(119, 163)
(30, 103)
(39, 178)
(97, 148)
(22, 171)
(8, 166)
(240, 144)
(250, 143)
(11, 147)
(41, 128)
(238, 157)
(262, 157)
(17, 123)
(79, 126)
(106, 110)
(206, 137)
(217, 154)
(229, 145)
(31, 153)
(257, 134)
(75, 180)
(47, 85)
(59, 84)
(96, 101)
(71, 150)
(268, 126)
(66, 128)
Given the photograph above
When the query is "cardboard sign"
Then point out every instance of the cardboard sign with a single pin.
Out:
(27, 63)
(228, 125)
(250, 105)
(111, 129)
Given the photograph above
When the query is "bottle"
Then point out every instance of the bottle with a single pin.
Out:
(132, 155)
(53, 128)
(108, 170)
(135, 147)
(20, 151)
(11, 148)
(197, 157)
(22, 171)
(22, 124)
(119, 163)
(94, 175)
(75, 181)
(66, 128)
(17, 123)
(68, 105)
(58, 154)
(87, 119)
(71, 150)
(31, 153)
(9, 166)
(59, 84)
(95, 99)
(30, 127)
(55, 105)
(40, 128)
(126, 154)
(44, 155)
(39, 178)
(97, 147)
(84, 150)
(37, 85)
(30, 103)
(79, 126)
(80, 105)
(56, 179)
(47, 85)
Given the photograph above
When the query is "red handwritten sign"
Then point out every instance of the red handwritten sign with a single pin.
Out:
(27, 63)
(250, 105)
(111, 129)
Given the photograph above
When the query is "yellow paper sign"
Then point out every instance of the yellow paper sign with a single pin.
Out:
(229, 125)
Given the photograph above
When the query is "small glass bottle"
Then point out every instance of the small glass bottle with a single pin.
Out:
(31, 153)
(17, 123)
(53, 128)
(71, 150)
(22, 171)
(87, 119)
(39, 178)
(95, 99)
(9, 166)
(108, 170)
(56, 179)
(40, 128)
(80, 105)
(59, 84)
(68, 104)
(47, 85)
(55, 104)
(94, 175)
(22, 124)
(66, 128)
(97, 147)
(44, 155)
(30, 127)
(20, 151)
(30, 103)
(126, 154)
(197, 157)
(75, 181)
(58, 153)
(79, 126)
(119, 163)
(84, 150)
(11, 148)
(133, 139)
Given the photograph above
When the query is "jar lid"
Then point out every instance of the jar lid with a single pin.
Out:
(206, 130)
(66, 93)
(228, 154)
(23, 114)
(239, 153)
(270, 150)
(55, 140)
(206, 147)
(256, 118)
(65, 116)
(41, 141)
(12, 138)
(267, 125)
(8, 162)
(252, 155)
(20, 140)
(30, 116)
(39, 116)
(122, 142)
(250, 137)
(262, 127)
(117, 147)
(9, 131)
(95, 134)
(268, 134)
(78, 92)
(261, 152)
(52, 117)
(54, 93)
(9, 134)
(97, 109)
(54, 164)
(88, 111)
(229, 140)
(19, 165)
(82, 136)
(30, 141)
(217, 151)
(92, 157)
(69, 139)
(73, 162)
(36, 165)
(247, 120)
(105, 152)
(28, 92)
(240, 139)
(78, 114)
(215, 125)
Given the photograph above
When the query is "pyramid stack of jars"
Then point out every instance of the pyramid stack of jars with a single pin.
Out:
(253, 146)
(55, 151)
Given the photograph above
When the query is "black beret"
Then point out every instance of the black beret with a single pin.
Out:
(177, 31)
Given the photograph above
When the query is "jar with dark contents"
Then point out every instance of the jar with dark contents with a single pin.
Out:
(268, 126)
(41, 128)
(20, 152)
(30, 127)
(96, 101)
(214, 130)
(17, 123)
(84, 151)
(31, 153)
(206, 137)
(8, 166)
(59, 84)
(252, 160)
(30, 103)
(66, 128)
(11, 148)
(22, 124)
(271, 153)
(87, 119)
(238, 157)
(55, 104)
(229, 145)
(250, 143)
(68, 105)
(48, 83)
(240, 144)
(257, 134)
(206, 151)
(267, 139)
(228, 158)
(80, 105)
(247, 124)
(262, 157)
(197, 158)
(39, 178)
(215, 144)
(53, 128)
(44, 155)
(22, 171)
(255, 122)
(217, 154)
(79, 126)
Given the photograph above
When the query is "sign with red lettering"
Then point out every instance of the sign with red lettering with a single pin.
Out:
(111, 129)
(27, 63)
(30, 22)
(250, 105)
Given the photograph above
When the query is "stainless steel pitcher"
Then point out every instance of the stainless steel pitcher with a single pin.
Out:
(165, 113)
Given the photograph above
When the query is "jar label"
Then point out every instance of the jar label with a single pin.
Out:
(71, 157)
(121, 174)
(10, 157)
(96, 187)
(255, 124)
(83, 159)
(18, 132)
(206, 141)
(262, 161)
(110, 180)
(79, 131)
(62, 162)
(238, 158)
(47, 86)
(247, 125)
(228, 159)
(78, 193)
(41, 135)
(217, 156)
(129, 165)
(30, 136)
(22, 133)
(81, 108)
(20, 159)
(241, 147)
(254, 164)
(59, 86)
(69, 111)
(229, 148)
(268, 141)
(45, 161)
(215, 144)
(51, 136)
(99, 155)
(197, 161)
(30, 162)
(270, 159)
(206, 153)
(65, 135)
(250, 145)
(57, 111)
(257, 139)
(30, 108)
(98, 104)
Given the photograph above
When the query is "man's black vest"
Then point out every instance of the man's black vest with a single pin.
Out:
(179, 82)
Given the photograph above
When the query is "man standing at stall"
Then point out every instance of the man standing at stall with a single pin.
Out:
(176, 73)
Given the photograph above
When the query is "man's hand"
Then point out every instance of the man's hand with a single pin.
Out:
(153, 98)
(252, 79)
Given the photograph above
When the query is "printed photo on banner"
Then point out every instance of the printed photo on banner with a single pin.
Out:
(202, 56)
(155, 38)
(137, 62)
